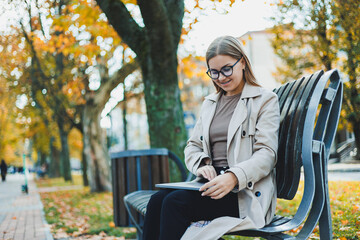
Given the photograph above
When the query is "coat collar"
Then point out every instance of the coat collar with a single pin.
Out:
(249, 91)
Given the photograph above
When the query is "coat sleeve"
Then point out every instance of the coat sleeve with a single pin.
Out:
(194, 152)
(265, 145)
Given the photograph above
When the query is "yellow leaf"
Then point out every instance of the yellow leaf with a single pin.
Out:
(340, 212)
(111, 224)
(344, 222)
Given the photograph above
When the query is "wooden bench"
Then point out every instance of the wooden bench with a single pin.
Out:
(310, 109)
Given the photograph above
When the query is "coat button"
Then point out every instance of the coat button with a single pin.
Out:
(258, 194)
(201, 138)
(243, 133)
(250, 184)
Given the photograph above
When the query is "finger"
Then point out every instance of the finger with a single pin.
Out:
(216, 192)
(208, 171)
(221, 193)
(209, 191)
(206, 186)
(219, 196)
(212, 173)
(205, 173)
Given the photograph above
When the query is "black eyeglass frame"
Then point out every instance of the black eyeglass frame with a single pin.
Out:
(218, 72)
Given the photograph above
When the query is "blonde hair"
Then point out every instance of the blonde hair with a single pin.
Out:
(230, 46)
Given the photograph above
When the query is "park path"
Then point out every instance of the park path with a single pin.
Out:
(21, 215)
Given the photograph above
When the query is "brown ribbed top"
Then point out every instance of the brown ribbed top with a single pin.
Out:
(219, 128)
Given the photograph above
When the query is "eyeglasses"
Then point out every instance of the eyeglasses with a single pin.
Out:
(226, 71)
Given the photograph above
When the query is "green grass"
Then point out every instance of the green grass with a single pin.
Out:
(59, 182)
(345, 211)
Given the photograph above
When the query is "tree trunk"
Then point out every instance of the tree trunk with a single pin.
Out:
(65, 153)
(155, 45)
(84, 167)
(95, 150)
(164, 110)
(124, 112)
(356, 129)
(41, 158)
(55, 163)
(354, 98)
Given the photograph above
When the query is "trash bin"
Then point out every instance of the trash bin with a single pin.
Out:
(136, 170)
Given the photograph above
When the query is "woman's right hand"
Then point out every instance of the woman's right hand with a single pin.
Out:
(207, 172)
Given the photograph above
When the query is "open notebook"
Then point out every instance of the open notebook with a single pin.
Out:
(193, 185)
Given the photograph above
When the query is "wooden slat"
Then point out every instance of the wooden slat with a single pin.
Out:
(131, 177)
(145, 173)
(155, 166)
(164, 166)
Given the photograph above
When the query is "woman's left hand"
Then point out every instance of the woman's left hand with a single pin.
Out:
(219, 186)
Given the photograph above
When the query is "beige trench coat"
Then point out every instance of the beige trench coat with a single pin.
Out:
(252, 143)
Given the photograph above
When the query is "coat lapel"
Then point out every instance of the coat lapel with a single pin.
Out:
(237, 119)
(207, 117)
(241, 112)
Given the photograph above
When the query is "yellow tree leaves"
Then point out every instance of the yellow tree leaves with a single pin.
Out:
(77, 31)
(10, 133)
(75, 143)
(193, 67)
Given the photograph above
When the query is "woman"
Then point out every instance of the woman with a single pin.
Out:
(233, 146)
(3, 168)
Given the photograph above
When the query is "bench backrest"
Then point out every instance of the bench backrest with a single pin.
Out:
(306, 105)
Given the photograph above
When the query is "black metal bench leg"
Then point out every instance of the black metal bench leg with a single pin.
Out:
(138, 227)
(325, 223)
(139, 235)
(319, 198)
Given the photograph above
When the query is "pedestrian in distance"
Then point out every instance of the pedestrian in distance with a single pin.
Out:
(233, 147)
(3, 168)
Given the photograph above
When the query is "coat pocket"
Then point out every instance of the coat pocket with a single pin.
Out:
(263, 192)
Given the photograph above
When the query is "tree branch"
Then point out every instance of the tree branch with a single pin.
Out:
(105, 89)
(123, 23)
(158, 26)
(40, 21)
(35, 57)
(175, 13)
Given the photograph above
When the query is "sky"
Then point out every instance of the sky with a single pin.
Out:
(243, 16)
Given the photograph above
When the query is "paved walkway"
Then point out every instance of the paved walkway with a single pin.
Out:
(21, 215)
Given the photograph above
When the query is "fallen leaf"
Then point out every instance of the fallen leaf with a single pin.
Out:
(344, 222)
(344, 228)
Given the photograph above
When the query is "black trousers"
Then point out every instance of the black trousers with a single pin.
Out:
(170, 212)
